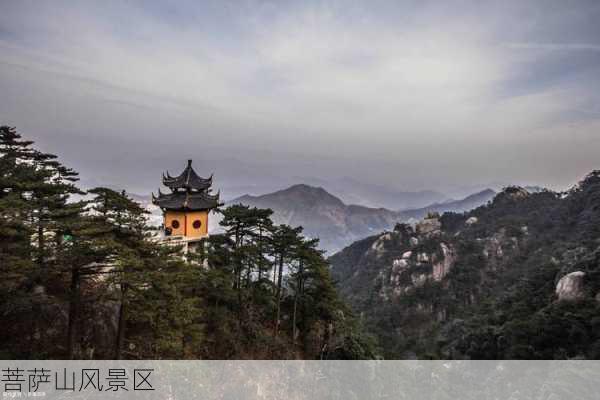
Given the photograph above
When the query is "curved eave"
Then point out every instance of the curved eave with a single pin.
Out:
(187, 180)
(187, 201)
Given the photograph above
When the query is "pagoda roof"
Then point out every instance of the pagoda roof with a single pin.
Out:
(188, 179)
(193, 201)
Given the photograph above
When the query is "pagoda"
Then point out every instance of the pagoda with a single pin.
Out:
(186, 208)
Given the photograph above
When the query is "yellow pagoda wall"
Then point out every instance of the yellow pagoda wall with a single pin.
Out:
(171, 216)
(192, 217)
(186, 220)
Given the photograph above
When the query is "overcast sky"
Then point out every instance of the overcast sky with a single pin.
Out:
(415, 94)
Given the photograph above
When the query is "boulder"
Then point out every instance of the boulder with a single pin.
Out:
(570, 286)
(471, 221)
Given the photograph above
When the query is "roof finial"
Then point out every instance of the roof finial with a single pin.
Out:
(189, 163)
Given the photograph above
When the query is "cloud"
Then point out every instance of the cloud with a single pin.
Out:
(420, 94)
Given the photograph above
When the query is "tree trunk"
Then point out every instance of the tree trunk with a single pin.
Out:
(238, 260)
(279, 281)
(74, 303)
(303, 326)
(296, 296)
(294, 319)
(248, 273)
(121, 325)
(260, 253)
(41, 243)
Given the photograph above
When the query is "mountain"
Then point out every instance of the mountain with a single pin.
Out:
(335, 223)
(325, 216)
(322, 215)
(462, 205)
(518, 278)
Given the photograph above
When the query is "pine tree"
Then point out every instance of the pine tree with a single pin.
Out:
(151, 283)
(15, 178)
(285, 241)
(34, 194)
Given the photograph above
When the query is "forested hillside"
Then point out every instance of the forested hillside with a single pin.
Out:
(85, 279)
(517, 278)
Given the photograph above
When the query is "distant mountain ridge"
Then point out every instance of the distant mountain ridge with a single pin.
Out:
(325, 216)
(353, 191)
(322, 214)
(468, 203)
(337, 224)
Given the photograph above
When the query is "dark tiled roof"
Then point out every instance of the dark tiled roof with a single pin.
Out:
(188, 192)
(188, 179)
(186, 200)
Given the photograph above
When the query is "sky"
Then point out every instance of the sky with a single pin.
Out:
(408, 94)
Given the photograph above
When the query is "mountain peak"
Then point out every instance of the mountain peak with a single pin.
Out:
(308, 195)
(322, 214)
(303, 187)
(511, 193)
(325, 216)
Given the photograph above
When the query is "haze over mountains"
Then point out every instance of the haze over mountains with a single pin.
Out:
(338, 224)
(354, 191)
(468, 203)
(322, 215)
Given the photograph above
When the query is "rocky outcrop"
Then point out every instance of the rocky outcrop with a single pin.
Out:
(498, 245)
(442, 267)
(493, 247)
(511, 194)
(516, 192)
(471, 221)
(378, 246)
(414, 268)
(399, 265)
(429, 225)
(571, 286)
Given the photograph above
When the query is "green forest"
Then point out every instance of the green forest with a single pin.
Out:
(498, 297)
(82, 278)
